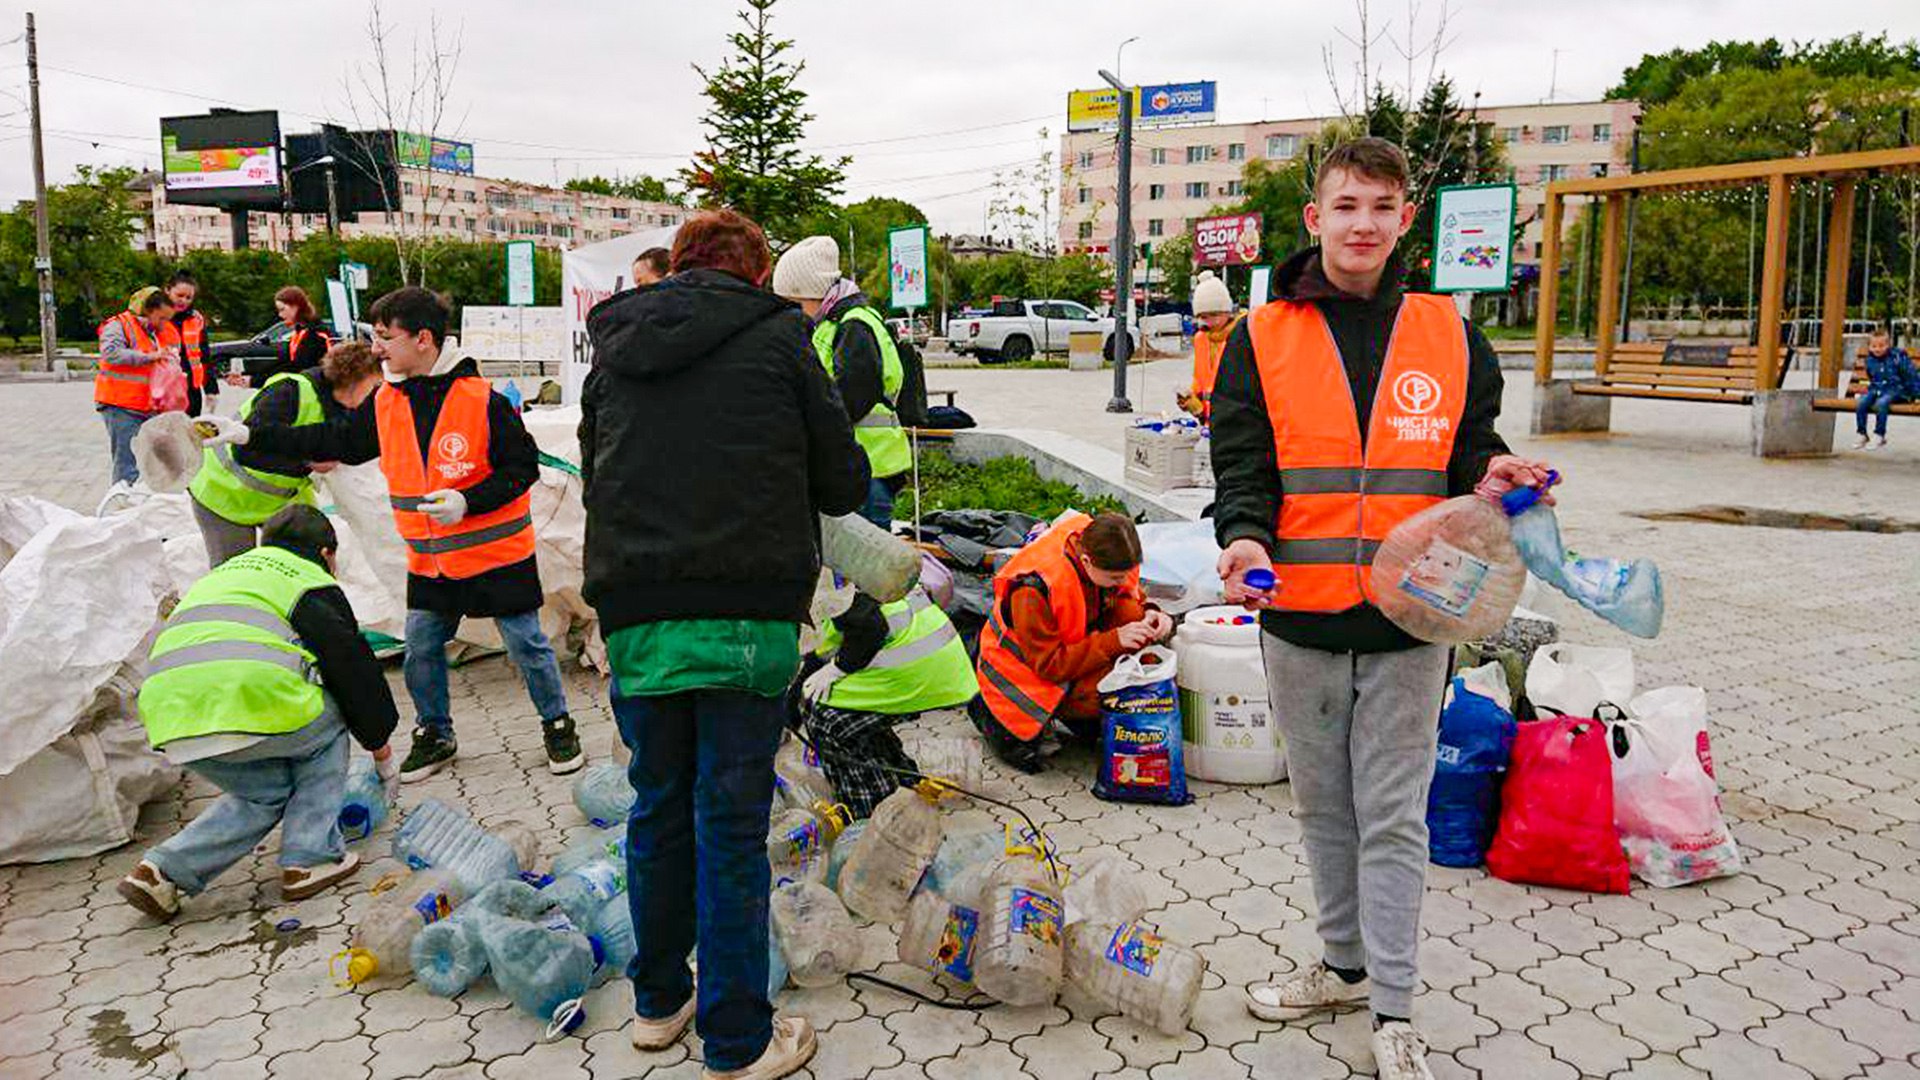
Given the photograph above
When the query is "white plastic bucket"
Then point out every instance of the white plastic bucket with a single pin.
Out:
(1228, 729)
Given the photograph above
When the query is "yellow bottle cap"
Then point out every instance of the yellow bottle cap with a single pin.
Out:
(361, 966)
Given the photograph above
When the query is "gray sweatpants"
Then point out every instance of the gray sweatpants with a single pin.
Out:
(1360, 733)
(224, 539)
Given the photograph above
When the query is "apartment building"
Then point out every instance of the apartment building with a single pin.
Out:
(1182, 173)
(437, 204)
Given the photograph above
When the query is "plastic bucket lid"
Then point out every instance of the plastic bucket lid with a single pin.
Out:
(168, 452)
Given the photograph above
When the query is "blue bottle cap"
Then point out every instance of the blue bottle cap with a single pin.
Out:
(287, 926)
(1521, 499)
(1259, 580)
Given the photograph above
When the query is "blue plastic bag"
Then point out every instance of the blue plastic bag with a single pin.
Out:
(1463, 806)
(1140, 755)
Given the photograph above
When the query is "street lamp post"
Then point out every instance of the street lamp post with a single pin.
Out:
(1121, 50)
(1122, 250)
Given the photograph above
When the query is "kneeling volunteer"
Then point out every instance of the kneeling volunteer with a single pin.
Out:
(255, 683)
(1064, 609)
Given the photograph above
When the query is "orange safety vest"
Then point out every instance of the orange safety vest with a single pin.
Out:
(1339, 500)
(457, 459)
(1018, 697)
(126, 386)
(1206, 364)
(192, 334)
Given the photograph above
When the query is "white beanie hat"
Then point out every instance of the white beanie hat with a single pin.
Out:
(1210, 296)
(808, 269)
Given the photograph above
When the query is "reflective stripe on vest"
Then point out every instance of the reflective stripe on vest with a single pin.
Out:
(889, 452)
(247, 496)
(1339, 497)
(922, 666)
(456, 459)
(228, 660)
(126, 386)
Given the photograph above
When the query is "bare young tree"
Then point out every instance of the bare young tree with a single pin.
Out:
(1355, 80)
(402, 89)
(1353, 102)
(1020, 209)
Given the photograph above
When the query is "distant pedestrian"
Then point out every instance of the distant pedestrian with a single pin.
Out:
(190, 327)
(650, 266)
(306, 342)
(707, 448)
(1213, 310)
(130, 344)
(1891, 379)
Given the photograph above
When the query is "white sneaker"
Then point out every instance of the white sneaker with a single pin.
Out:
(1860, 443)
(1880, 444)
(1317, 989)
(1400, 1053)
(650, 1035)
(789, 1050)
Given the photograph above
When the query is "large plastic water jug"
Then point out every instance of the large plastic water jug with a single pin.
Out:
(1136, 972)
(1450, 573)
(797, 777)
(382, 944)
(608, 843)
(1625, 592)
(955, 759)
(603, 794)
(843, 848)
(612, 937)
(815, 932)
(882, 871)
(938, 936)
(363, 807)
(1104, 888)
(797, 844)
(448, 955)
(540, 965)
(1017, 954)
(959, 869)
(437, 835)
(880, 564)
(583, 890)
(1227, 724)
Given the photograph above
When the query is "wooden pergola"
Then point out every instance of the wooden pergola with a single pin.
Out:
(1843, 171)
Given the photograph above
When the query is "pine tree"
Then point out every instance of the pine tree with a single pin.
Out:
(753, 162)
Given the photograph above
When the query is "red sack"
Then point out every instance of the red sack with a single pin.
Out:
(1556, 810)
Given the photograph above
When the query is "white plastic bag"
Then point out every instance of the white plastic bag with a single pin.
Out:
(1179, 565)
(1667, 808)
(1489, 681)
(1679, 713)
(1573, 680)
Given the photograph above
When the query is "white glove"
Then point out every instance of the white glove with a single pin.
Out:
(216, 430)
(819, 684)
(445, 506)
(388, 770)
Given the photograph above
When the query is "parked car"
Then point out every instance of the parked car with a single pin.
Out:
(264, 345)
(1019, 330)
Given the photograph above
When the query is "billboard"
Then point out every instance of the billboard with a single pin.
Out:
(432, 152)
(907, 266)
(223, 158)
(1233, 240)
(1473, 238)
(364, 173)
(1153, 106)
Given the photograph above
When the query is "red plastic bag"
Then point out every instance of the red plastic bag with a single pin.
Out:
(1556, 810)
(167, 383)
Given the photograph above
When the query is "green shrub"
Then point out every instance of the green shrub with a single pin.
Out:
(1006, 483)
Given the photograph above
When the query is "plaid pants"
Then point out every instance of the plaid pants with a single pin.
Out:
(857, 751)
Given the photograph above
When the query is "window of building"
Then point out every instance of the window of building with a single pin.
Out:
(1086, 159)
(1283, 146)
(1157, 156)
(1197, 189)
(1511, 134)
(1083, 196)
(1156, 191)
(406, 187)
(1086, 230)
(620, 213)
(1599, 168)
(468, 196)
(1156, 227)
(1236, 187)
(1603, 133)
(1555, 133)
(1237, 151)
(1198, 154)
(1551, 173)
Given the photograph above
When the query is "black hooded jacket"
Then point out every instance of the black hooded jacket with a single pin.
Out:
(710, 437)
(858, 368)
(1247, 479)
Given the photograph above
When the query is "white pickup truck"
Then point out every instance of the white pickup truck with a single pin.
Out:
(1018, 330)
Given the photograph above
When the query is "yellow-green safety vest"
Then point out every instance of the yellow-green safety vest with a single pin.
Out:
(879, 432)
(924, 664)
(228, 660)
(250, 496)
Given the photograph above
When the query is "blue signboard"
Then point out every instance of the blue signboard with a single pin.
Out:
(1177, 103)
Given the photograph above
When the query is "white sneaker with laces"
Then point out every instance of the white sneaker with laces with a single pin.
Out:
(1318, 989)
(1400, 1053)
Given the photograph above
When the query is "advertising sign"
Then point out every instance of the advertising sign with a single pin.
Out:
(1473, 238)
(1153, 106)
(520, 273)
(589, 275)
(907, 266)
(1233, 240)
(514, 333)
(417, 151)
(221, 159)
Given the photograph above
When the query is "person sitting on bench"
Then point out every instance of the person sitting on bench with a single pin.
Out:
(1891, 378)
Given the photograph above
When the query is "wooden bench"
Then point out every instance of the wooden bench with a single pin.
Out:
(1654, 369)
(1857, 385)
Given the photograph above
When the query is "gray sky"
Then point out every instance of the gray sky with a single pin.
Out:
(938, 94)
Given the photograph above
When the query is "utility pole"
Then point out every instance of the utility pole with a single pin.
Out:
(43, 249)
(1122, 251)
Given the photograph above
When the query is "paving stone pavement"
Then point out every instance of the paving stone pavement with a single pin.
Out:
(1807, 965)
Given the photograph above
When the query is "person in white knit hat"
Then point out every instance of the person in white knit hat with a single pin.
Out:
(859, 352)
(1213, 308)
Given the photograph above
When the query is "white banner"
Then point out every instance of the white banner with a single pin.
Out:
(589, 275)
(514, 333)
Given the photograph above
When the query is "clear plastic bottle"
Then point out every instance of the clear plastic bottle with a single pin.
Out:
(436, 835)
(1106, 889)
(938, 936)
(1135, 972)
(382, 944)
(540, 965)
(797, 842)
(955, 759)
(364, 806)
(1450, 573)
(815, 933)
(583, 890)
(882, 871)
(798, 776)
(959, 870)
(603, 794)
(1626, 593)
(448, 955)
(843, 847)
(1017, 953)
(609, 843)
(878, 563)
(612, 933)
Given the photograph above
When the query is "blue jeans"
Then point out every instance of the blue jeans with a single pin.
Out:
(879, 505)
(296, 781)
(122, 426)
(1880, 404)
(426, 664)
(697, 872)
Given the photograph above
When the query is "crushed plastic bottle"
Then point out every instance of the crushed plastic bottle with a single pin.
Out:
(540, 965)
(797, 844)
(1136, 972)
(815, 933)
(798, 776)
(364, 806)
(955, 759)
(1103, 888)
(583, 890)
(959, 869)
(382, 944)
(603, 794)
(1450, 573)
(436, 835)
(938, 936)
(609, 843)
(898, 845)
(1017, 956)
(1626, 593)
(843, 847)
(612, 936)
(448, 955)
(878, 563)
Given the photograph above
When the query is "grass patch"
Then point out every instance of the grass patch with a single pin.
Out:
(1005, 483)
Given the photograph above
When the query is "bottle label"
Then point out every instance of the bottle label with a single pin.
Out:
(1226, 721)
(1036, 915)
(1135, 948)
(954, 954)
(559, 923)
(603, 879)
(1445, 578)
(432, 907)
(803, 842)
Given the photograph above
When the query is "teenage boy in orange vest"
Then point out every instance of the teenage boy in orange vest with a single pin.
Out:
(1342, 408)
(459, 466)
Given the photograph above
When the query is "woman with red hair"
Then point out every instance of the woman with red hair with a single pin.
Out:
(303, 347)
